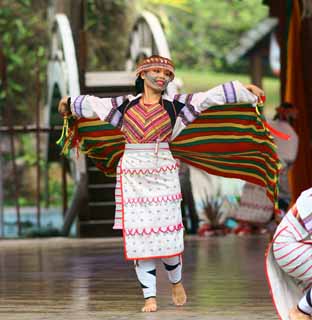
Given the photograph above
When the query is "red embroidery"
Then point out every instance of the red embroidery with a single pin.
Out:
(151, 171)
(154, 199)
(149, 231)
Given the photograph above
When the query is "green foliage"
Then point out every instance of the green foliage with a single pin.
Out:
(26, 160)
(202, 32)
(24, 43)
(108, 26)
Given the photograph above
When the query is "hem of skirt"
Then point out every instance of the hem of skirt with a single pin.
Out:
(153, 257)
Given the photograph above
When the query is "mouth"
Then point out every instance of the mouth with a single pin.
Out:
(160, 83)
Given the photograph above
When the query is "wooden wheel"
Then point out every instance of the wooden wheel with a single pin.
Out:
(63, 67)
(62, 79)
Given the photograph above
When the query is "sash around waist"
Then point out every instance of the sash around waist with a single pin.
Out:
(147, 146)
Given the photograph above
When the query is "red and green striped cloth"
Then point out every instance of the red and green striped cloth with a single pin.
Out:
(227, 140)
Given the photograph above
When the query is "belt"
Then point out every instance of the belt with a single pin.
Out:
(147, 146)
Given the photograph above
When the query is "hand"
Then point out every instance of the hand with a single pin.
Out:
(256, 91)
(63, 107)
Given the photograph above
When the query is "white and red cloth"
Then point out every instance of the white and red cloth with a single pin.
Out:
(255, 206)
(149, 197)
(289, 256)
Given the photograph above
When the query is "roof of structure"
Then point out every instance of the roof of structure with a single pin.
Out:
(250, 38)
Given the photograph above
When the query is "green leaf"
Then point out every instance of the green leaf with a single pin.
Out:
(16, 86)
(16, 59)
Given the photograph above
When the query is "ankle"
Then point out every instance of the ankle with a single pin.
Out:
(151, 298)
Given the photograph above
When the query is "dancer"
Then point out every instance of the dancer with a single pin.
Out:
(287, 150)
(148, 194)
(289, 263)
(256, 211)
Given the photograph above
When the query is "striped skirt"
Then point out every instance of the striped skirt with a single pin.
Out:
(289, 264)
(148, 202)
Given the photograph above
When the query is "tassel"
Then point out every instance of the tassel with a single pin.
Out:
(64, 134)
(65, 140)
(69, 138)
(268, 127)
(276, 133)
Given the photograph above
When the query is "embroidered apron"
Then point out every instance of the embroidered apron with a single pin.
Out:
(148, 195)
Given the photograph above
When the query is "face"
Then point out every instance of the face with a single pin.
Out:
(156, 79)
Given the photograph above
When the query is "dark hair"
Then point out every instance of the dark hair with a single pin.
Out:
(139, 85)
(287, 112)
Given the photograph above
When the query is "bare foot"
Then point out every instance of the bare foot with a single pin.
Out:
(150, 305)
(178, 294)
(295, 314)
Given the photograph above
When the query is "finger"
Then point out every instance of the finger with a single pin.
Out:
(260, 93)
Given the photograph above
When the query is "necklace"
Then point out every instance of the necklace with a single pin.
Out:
(149, 104)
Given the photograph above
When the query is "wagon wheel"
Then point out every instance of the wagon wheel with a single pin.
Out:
(63, 67)
(62, 80)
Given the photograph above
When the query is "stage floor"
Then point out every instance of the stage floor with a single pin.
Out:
(86, 279)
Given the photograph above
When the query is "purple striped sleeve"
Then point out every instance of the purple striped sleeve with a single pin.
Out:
(114, 118)
(308, 223)
(78, 105)
(114, 103)
(188, 114)
(189, 99)
(229, 92)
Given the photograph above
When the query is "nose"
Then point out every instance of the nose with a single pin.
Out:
(163, 74)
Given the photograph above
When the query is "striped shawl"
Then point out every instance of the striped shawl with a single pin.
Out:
(225, 140)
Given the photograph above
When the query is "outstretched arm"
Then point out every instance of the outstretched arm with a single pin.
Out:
(227, 93)
(85, 106)
(230, 92)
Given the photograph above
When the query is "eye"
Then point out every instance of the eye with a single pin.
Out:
(156, 70)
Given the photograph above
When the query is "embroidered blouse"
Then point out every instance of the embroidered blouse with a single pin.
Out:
(146, 123)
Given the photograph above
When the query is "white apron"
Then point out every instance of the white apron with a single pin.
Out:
(148, 199)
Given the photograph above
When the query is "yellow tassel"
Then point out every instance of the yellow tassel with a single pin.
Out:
(64, 134)
(63, 141)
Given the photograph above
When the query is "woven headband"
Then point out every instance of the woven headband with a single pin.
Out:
(155, 62)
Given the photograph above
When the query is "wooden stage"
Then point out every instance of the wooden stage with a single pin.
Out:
(86, 279)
